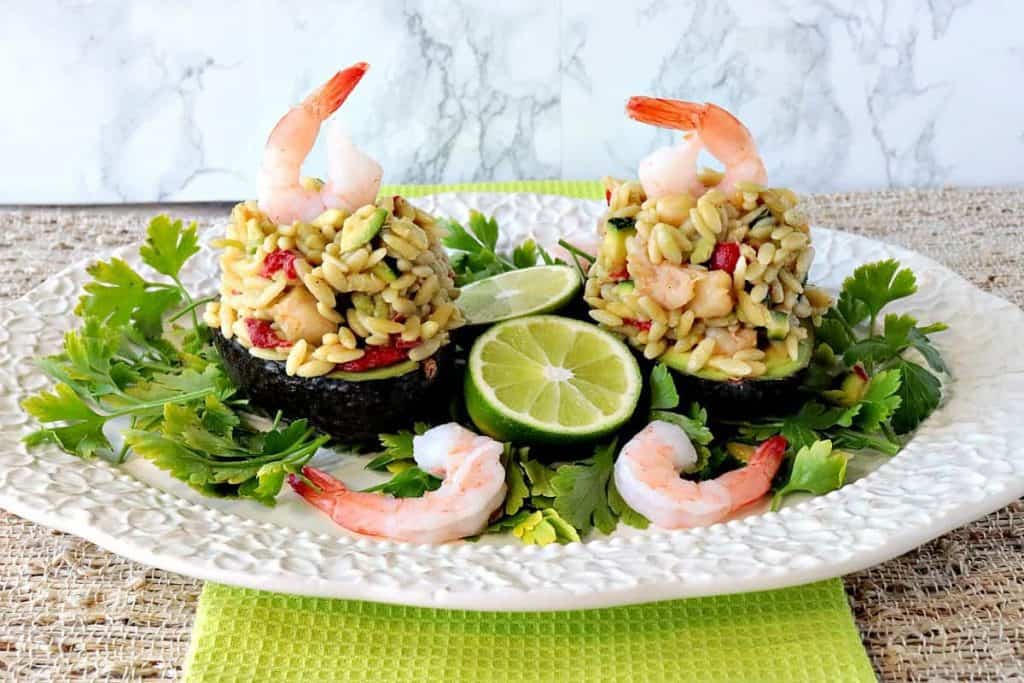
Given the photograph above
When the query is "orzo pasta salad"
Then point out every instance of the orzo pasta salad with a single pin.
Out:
(707, 272)
(348, 292)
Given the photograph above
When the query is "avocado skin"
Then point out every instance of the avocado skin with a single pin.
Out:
(352, 412)
(740, 399)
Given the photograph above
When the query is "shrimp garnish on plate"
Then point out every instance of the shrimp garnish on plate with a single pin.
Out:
(647, 476)
(473, 488)
(673, 170)
(353, 177)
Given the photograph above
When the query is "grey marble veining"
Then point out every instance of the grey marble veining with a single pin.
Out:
(118, 101)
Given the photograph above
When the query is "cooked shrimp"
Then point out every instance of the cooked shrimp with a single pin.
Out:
(647, 476)
(673, 170)
(712, 296)
(297, 316)
(728, 341)
(353, 177)
(670, 285)
(473, 488)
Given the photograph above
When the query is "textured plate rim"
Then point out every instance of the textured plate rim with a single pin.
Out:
(821, 538)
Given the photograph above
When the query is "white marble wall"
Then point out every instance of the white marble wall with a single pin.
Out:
(146, 101)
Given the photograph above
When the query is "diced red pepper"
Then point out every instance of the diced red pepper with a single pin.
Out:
(376, 357)
(608, 197)
(639, 324)
(619, 275)
(725, 256)
(278, 259)
(262, 335)
(861, 372)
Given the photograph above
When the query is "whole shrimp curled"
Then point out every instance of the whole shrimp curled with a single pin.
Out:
(353, 178)
(647, 476)
(673, 170)
(473, 488)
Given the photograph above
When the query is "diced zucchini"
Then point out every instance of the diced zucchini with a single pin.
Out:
(625, 287)
(613, 249)
(778, 325)
(358, 231)
(852, 389)
(740, 451)
(702, 250)
(621, 223)
(384, 272)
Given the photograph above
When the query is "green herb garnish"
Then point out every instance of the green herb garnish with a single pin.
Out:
(816, 469)
(409, 483)
(180, 405)
(476, 254)
(397, 447)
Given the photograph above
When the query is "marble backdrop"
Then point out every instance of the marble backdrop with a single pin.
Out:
(146, 101)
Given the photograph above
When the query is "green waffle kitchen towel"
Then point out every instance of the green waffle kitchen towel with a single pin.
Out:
(796, 634)
(790, 635)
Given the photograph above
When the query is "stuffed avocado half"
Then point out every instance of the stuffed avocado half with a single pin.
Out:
(353, 407)
(715, 287)
(345, 319)
(727, 397)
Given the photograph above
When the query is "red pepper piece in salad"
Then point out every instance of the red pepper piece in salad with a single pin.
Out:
(861, 372)
(376, 357)
(608, 197)
(262, 335)
(725, 256)
(639, 324)
(619, 275)
(277, 260)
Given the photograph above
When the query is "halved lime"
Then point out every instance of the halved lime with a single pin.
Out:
(528, 291)
(550, 379)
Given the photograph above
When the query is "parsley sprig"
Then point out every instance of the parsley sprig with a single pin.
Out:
(181, 409)
(876, 348)
(475, 251)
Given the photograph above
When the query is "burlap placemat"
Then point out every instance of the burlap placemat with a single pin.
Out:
(950, 610)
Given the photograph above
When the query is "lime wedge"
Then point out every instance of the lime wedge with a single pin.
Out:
(550, 379)
(528, 291)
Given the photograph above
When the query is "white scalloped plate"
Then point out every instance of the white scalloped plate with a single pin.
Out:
(960, 465)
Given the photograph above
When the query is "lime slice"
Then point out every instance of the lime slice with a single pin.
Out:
(550, 379)
(529, 291)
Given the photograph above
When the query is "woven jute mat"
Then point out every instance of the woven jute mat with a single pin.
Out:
(950, 610)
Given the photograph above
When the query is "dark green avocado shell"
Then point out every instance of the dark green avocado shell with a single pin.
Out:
(352, 411)
(725, 397)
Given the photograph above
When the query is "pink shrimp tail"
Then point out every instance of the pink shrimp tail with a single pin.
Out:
(751, 482)
(682, 115)
(674, 114)
(768, 455)
(328, 487)
(335, 91)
